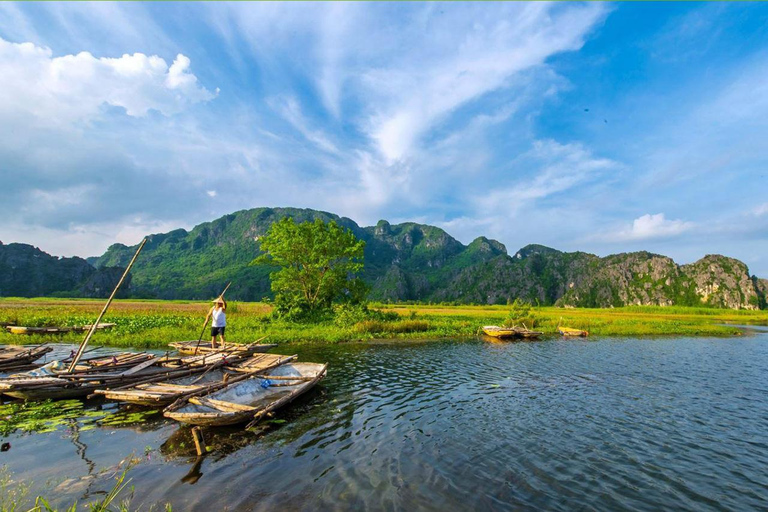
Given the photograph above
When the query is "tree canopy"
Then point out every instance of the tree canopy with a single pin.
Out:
(317, 263)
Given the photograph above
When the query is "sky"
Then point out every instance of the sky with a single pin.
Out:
(597, 127)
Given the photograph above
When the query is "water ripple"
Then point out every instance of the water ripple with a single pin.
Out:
(462, 425)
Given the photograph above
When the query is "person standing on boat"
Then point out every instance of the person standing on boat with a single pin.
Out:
(219, 320)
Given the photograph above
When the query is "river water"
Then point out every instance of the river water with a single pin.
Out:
(608, 424)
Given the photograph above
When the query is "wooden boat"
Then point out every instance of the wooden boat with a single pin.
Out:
(568, 331)
(98, 363)
(499, 332)
(204, 347)
(18, 329)
(248, 399)
(522, 332)
(162, 393)
(18, 357)
(55, 382)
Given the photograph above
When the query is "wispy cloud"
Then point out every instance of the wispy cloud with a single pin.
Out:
(288, 107)
(418, 91)
(559, 169)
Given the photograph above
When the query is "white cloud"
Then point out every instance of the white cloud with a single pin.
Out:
(401, 72)
(211, 193)
(651, 226)
(559, 168)
(72, 88)
(761, 210)
(444, 71)
(89, 239)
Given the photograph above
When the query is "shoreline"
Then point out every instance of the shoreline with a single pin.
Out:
(155, 323)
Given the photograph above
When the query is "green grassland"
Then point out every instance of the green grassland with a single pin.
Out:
(153, 324)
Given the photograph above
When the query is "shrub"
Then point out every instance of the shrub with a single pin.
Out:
(520, 314)
(406, 326)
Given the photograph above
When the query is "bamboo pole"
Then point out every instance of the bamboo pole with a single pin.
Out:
(103, 311)
(197, 435)
(221, 296)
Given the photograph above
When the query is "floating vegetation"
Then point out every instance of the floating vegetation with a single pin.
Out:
(49, 415)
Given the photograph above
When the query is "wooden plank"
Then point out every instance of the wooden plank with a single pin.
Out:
(139, 367)
(221, 405)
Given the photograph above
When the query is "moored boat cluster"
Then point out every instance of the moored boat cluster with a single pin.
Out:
(201, 385)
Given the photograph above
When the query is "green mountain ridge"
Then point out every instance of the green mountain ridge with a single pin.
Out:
(417, 262)
(26, 271)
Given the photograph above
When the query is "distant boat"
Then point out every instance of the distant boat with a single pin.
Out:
(249, 399)
(499, 332)
(510, 332)
(527, 333)
(18, 329)
(568, 331)
(204, 347)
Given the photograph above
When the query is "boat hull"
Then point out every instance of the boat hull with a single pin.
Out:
(251, 396)
(14, 358)
(499, 332)
(510, 332)
(567, 331)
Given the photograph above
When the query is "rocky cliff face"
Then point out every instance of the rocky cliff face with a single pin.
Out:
(26, 271)
(761, 287)
(417, 262)
(722, 282)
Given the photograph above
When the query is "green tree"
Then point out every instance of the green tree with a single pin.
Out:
(317, 263)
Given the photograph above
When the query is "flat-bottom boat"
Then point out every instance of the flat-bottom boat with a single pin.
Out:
(55, 382)
(19, 329)
(249, 399)
(204, 347)
(17, 357)
(510, 332)
(155, 394)
(499, 332)
(568, 331)
(527, 333)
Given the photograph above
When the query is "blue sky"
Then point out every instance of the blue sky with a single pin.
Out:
(596, 127)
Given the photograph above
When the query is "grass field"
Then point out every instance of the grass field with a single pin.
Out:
(153, 324)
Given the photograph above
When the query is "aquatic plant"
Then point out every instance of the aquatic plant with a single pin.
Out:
(14, 497)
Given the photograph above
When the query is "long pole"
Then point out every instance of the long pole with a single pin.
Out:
(103, 311)
(200, 339)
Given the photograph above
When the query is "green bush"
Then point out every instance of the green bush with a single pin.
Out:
(520, 315)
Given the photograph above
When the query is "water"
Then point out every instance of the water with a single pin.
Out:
(673, 423)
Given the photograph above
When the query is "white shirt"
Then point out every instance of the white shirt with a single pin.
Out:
(219, 318)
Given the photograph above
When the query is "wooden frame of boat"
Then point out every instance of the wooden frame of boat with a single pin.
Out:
(86, 379)
(17, 357)
(18, 329)
(248, 399)
(204, 347)
(156, 394)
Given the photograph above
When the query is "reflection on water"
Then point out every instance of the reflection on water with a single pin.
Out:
(611, 424)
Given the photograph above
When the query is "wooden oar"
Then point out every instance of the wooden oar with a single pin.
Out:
(221, 296)
(103, 311)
